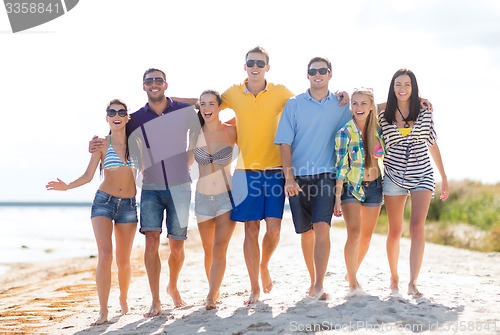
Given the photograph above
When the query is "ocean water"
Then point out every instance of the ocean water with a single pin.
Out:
(43, 233)
(47, 232)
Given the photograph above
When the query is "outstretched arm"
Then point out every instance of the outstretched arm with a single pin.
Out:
(436, 156)
(60, 185)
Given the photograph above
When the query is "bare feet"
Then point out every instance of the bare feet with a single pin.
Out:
(267, 282)
(394, 286)
(310, 291)
(355, 292)
(176, 297)
(321, 295)
(124, 307)
(103, 318)
(211, 304)
(154, 310)
(413, 291)
(253, 298)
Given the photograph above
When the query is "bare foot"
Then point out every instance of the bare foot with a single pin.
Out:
(211, 304)
(253, 298)
(355, 292)
(267, 282)
(154, 310)
(413, 291)
(321, 295)
(176, 297)
(310, 291)
(346, 277)
(103, 318)
(394, 286)
(124, 308)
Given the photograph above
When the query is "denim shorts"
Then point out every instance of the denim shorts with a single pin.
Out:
(391, 189)
(208, 206)
(373, 193)
(174, 200)
(258, 195)
(120, 210)
(315, 202)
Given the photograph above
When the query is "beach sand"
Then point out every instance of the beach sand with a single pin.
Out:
(462, 295)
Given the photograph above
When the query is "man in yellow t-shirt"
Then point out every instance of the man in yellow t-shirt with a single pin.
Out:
(258, 180)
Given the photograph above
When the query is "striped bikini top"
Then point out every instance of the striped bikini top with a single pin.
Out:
(221, 157)
(112, 160)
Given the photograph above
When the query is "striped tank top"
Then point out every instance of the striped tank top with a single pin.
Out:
(407, 161)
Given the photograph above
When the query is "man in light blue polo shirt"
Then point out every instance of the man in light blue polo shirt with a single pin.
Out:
(306, 135)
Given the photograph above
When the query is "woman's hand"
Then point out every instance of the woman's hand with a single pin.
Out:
(58, 185)
(337, 210)
(445, 190)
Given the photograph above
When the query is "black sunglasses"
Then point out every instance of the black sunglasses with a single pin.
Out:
(121, 112)
(322, 71)
(157, 80)
(260, 63)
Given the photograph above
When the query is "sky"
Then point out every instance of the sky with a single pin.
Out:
(56, 79)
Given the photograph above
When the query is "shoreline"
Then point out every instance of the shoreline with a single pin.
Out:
(461, 287)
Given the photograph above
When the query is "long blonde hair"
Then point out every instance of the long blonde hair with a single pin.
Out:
(369, 141)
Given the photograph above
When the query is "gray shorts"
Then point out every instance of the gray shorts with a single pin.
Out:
(208, 206)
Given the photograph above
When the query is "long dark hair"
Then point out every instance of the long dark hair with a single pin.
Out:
(392, 101)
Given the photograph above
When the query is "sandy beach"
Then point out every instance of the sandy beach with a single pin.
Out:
(462, 295)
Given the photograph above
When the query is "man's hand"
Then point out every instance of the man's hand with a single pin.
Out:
(95, 144)
(426, 104)
(291, 187)
(344, 96)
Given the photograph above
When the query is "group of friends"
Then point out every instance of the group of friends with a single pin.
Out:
(314, 148)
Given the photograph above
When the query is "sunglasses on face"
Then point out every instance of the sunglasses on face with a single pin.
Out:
(121, 112)
(157, 80)
(260, 63)
(322, 71)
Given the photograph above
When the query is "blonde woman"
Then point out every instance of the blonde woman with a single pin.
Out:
(358, 192)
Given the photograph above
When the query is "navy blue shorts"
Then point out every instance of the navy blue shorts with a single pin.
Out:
(373, 193)
(315, 202)
(119, 210)
(258, 195)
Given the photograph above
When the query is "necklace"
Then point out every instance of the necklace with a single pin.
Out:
(407, 125)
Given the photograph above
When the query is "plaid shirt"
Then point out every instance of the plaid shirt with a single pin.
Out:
(350, 164)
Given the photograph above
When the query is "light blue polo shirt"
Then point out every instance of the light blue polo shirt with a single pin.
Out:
(309, 127)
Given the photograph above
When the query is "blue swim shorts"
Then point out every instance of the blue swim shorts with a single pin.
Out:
(258, 195)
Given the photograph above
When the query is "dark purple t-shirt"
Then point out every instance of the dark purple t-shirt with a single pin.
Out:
(160, 142)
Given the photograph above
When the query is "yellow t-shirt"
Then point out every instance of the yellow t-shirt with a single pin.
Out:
(257, 119)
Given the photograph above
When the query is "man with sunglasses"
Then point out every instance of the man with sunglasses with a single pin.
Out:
(306, 139)
(258, 179)
(158, 138)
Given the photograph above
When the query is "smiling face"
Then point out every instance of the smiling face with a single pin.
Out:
(254, 72)
(402, 87)
(154, 89)
(319, 80)
(361, 106)
(209, 107)
(117, 121)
